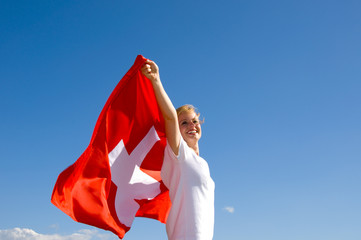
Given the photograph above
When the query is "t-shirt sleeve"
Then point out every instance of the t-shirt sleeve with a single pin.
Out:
(181, 152)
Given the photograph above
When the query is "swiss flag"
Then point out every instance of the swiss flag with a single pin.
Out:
(118, 175)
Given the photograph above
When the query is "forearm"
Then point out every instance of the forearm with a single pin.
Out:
(165, 104)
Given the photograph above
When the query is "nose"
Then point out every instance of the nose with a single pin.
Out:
(192, 124)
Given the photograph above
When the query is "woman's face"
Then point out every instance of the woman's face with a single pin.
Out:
(189, 127)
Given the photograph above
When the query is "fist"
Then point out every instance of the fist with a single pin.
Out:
(150, 70)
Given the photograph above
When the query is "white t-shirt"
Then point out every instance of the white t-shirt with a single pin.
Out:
(191, 191)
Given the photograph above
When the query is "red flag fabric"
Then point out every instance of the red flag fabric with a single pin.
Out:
(118, 175)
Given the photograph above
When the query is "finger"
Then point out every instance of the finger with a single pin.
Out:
(145, 68)
(145, 71)
(147, 63)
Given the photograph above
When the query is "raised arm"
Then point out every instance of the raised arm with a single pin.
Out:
(151, 71)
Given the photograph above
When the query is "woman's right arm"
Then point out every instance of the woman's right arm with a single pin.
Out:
(151, 71)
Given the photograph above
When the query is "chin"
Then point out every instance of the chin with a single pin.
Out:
(191, 139)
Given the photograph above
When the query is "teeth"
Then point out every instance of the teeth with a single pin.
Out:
(192, 131)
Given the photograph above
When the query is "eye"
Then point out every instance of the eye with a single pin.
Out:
(184, 123)
(195, 121)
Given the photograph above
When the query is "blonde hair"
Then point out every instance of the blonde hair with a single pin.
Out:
(189, 108)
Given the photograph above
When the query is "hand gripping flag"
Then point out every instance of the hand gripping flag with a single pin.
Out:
(118, 176)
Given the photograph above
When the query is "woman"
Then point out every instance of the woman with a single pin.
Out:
(184, 172)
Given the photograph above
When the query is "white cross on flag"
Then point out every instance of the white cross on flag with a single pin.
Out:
(118, 176)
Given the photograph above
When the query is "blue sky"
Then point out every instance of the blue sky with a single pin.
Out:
(278, 83)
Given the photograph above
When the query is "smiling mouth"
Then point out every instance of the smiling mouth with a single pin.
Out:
(192, 132)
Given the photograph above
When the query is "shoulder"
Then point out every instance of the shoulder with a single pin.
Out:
(184, 152)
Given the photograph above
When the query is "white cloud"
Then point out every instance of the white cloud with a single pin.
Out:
(28, 234)
(229, 209)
